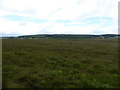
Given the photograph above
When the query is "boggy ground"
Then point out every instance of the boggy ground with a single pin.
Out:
(60, 63)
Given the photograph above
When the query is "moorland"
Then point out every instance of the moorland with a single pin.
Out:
(60, 63)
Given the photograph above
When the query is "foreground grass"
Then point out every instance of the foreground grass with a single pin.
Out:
(59, 63)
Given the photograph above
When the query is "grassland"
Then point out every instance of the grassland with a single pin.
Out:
(60, 63)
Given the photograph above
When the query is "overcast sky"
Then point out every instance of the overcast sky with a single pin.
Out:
(23, 17)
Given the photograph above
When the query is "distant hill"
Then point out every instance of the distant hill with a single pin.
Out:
(109, 36)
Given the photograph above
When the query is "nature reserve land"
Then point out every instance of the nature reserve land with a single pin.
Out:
(60, 63)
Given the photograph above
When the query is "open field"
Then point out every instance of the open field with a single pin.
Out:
(60, 63)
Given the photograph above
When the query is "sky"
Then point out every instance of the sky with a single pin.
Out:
(25, 17)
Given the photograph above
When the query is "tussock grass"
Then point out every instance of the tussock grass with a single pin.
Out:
(60, 63)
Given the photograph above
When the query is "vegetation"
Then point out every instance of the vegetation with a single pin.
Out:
(60, 63)
(70, 36)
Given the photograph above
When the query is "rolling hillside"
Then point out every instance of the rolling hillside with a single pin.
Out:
(109, 36)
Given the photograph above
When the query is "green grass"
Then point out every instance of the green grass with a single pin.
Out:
(60, 63)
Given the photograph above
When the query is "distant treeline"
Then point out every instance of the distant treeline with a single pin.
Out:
(67, 36)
